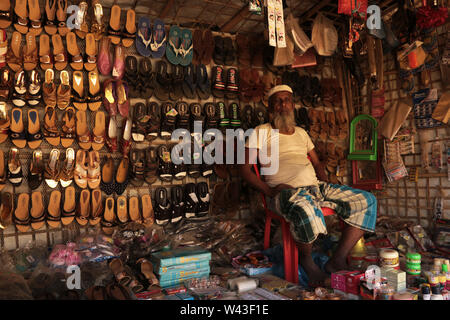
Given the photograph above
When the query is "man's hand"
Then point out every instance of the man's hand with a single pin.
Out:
(275, 190)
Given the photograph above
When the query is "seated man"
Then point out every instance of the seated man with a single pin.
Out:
(295, 193)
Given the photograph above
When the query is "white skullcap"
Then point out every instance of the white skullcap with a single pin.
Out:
(279, 88)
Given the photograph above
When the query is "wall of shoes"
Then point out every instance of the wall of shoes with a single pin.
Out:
(87, 114)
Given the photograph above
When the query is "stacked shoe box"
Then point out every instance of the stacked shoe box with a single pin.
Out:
(178, 265)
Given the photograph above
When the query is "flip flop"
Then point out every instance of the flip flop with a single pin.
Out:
(174, 46)
(144, 37)
(21, 16)
(18, 134)
(129, 32)
(114, 27)
(68, 213)
(59, 53)
(45, 56)
(99, 131)
(83, 134)
(68, 134)
(94, 95)
(54, 209)
(14, 55)
(189, 84)
(163, 210)
(148, 214)
(96, 207)
(151, 167)
(21, 216)
(83, 208)
(197, 40)
(140, 119)
(107, 182)
(91, 53)
(37, 211)
(109, 97)
(177, 77)
(108, 221)
(30, 55)
(147, 78)
(162, 81)
(203, 83)
(208, 45)
(19, 95)
(158, 43)
(79, 95)
(81, 19)
(5, 14)
(154, 112)
(186, 51)
(49, 88)
(76, 59)
(80, 174)
(34, 135)
(219, 54)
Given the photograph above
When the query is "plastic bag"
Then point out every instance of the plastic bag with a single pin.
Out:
(324, 36)
(301, 41)
(284, 56)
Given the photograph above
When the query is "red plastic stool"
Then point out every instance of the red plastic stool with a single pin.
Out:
(290, 250)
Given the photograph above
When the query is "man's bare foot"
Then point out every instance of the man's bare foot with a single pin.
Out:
(316, 277)
(335, 264)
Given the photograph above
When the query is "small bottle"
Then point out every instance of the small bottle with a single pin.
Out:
(426, 292)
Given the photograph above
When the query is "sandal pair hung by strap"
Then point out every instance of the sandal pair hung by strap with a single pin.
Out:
(151, 42)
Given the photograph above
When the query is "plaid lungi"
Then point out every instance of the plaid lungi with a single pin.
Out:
(302, 208)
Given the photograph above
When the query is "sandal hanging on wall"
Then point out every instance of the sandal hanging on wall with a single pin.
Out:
(5, 14)
(129, 32)
(114, 28)
(50, 26)
(21, 16)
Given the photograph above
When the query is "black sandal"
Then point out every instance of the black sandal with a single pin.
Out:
(191, 207)
(163, 212)
(169, 120)
(183, 115)
(203, 199)
(140, 120)
(154, 123)
(177, 77)
(179, 170)
(189, 84)
(165, 170)
(177, 199)
(137, 168)
(36, 172)
(163, 81)
(15, 174)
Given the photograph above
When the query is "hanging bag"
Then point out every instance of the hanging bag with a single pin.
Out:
(298, 36)
(324, 36)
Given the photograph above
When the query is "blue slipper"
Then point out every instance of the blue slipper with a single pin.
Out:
(158, 44)
(144, 37)
(186, 48)
(172, 49)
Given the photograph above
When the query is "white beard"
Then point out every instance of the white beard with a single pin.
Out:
(284, 122)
